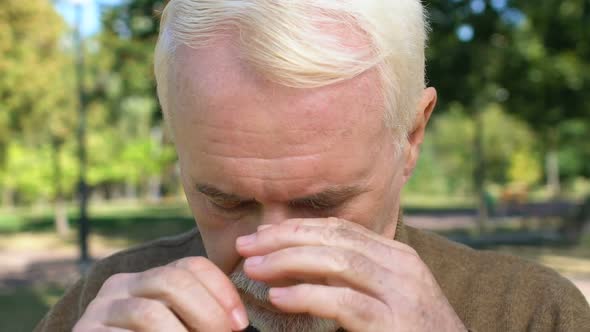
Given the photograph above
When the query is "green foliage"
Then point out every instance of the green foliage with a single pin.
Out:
(446, 165)
(524, 168)
(34, 91)
(451, 133)
(36, 104)
(505, 136)
(126, 137)
(524, 70)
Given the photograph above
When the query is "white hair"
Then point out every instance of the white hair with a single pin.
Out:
(287, 42)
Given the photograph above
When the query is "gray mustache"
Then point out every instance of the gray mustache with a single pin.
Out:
(256, 289)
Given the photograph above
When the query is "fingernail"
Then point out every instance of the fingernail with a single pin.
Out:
(246, 240)
(253, 261)
(277, 294)
(265, 226)
(240, 318)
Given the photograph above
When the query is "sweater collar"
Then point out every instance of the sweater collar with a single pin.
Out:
(401, 234)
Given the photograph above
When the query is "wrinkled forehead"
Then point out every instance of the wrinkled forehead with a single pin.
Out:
(242, 132)
(214, 87)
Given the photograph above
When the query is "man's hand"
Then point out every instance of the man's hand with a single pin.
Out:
(347, 273)
(191, 294)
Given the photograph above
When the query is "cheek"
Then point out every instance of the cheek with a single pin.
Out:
(220, 247)
(383, 203)
(219, 235)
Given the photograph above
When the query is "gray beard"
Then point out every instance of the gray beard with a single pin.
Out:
(269, 321)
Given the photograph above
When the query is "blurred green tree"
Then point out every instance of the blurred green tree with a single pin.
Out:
(530, 57)
(128, 126)
(549, 80)
(467, 55)
(36, 103)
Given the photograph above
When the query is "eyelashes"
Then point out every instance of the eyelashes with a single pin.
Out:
(233, 208)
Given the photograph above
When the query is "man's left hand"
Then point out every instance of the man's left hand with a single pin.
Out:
(345, 272)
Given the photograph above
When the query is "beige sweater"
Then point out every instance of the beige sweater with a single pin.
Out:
(489, 291)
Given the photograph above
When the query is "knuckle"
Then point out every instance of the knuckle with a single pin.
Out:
(115, 281)
(414, 260)
(231, 301)
(412, 252)
(348, 297)
(95, 308)
(342, 261)
(339, 231)
(144, 312)
(173, 277)
(352, 236)
(364, 309)
(425, 275)
(360, 264)
(328, 235)
(197, 263)
(165, 280)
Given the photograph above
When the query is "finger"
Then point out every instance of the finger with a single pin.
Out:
(338, 223)
(353, 310)
(287, 235)
(219, 286)
(324, 265)
(82, 326)
(140, 314)
(185, 295)
(117, 286)
(107, 329)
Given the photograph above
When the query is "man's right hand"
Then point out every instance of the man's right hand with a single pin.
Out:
(191, 294)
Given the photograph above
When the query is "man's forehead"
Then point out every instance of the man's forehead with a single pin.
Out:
(213, 86)
(234, 127)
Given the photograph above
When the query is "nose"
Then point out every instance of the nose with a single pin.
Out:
(273, 214)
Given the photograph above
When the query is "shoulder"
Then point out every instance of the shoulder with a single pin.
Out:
(146, 256)
(64, 315)
(155, 253)
(509, 292)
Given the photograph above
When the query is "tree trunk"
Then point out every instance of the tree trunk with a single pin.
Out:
(479, 172)
(552, 170)
(130, 191)
(61, 215)
(154, 188)
(7, 198)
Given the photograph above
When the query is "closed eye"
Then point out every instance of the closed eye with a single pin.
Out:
(312, 205)
(230, 205)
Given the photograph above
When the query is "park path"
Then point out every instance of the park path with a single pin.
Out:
(37, 267)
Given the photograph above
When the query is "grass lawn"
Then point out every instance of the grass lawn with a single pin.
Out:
(22, 308)
(122, 224)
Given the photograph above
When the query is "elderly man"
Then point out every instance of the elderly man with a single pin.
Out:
(297, 123)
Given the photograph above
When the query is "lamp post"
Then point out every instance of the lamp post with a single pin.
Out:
(83, 223)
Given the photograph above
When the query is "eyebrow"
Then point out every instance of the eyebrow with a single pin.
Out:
(327, 198)
(215, 193)
(330, 197)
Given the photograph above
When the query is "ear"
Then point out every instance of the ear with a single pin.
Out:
(416, 136)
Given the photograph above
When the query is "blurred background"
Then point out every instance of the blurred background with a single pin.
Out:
(87, 168)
